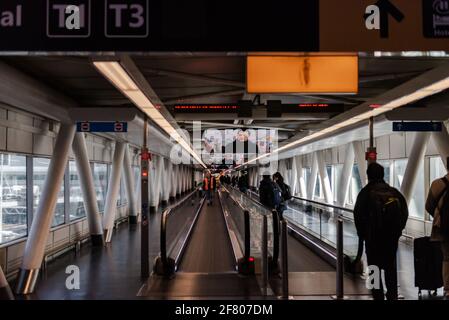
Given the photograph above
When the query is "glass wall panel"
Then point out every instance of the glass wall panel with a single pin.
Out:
(77, 210)
(417, 202)
(306, 174)
(101, 183)
(437, 169)
(387, 175)
(40, 171)
(336, 173)
(355, 185)
(13, 209)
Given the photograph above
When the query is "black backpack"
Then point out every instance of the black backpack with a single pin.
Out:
(444, 210)
(388, 214)
(286, 193)
(277, 194)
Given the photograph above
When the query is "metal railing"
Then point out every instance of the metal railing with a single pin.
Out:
(165, 265)
(270, 265)
(339, 244)
(246, 264)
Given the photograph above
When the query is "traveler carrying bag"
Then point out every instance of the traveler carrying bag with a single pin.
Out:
(355, 266)
(286, 193)
(277, 194)
(388, 215)
(428, 260)
(444, 210)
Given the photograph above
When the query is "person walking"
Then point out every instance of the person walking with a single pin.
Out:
(209, 186)
(285, 193)
(435, 205)
(380, 216)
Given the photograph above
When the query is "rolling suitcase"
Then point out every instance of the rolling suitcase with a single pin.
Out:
(428, 260)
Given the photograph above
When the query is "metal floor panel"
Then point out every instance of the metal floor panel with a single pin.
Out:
(319, 284)
(201, 285)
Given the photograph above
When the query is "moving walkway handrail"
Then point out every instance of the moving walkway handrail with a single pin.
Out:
(164, 219)
(324, 204)
(247, 230)
(276, 222)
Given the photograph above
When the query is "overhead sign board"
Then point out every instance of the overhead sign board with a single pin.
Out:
(315, 74)
(384, 25)
(417, 126)
(204, 25)
(116, 127)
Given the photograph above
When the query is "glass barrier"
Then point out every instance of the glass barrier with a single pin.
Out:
(256, 213)
(320, 220)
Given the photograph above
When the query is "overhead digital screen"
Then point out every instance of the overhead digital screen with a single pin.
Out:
(207, 108)
(312, 107)
(303, 74)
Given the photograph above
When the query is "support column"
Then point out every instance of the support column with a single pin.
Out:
(183, 179)
(345, 175)
(293, 175)
(325, 183)
(178, 180)
(313, 177)
(139, 198)
(301, 178)
(166, 182)
(173, 184)
(441, 140)
(129, 185)
(5, 290)
(155, 184)
(414, 160)
(88, 189)
(361, 161)
(40, 227)
(110, 207)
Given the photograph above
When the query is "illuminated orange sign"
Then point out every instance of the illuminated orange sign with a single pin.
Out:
(303, 74)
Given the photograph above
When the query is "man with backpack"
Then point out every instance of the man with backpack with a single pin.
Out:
(267, 193)
(243, 182)
(380, 215)
(437, 205)
(284, 190)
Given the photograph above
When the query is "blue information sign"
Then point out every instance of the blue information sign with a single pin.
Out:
(118, 127)
(417, 126)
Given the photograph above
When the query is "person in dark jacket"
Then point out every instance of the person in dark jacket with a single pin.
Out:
(434, 204)
(243, 183)
(380, 249)
(266, 192)
(279, 180)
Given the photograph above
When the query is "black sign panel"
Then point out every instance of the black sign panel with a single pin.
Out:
(417, 126)
(207, 108)
(276, 109)
(163, 25)
(436, 18)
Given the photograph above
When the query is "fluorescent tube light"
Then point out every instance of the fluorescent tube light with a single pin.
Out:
(117, 75)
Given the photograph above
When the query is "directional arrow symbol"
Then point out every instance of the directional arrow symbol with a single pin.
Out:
(387, 8)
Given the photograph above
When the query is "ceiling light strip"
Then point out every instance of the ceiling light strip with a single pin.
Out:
(117, 75)
(407, 99)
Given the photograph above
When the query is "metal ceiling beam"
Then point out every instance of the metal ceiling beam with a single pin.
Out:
(392, 76)
(196, 77)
